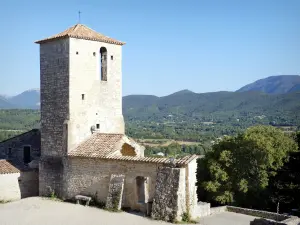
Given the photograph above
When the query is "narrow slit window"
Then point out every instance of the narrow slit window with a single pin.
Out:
(103, 63)
(112, 57)
(97, 126)
(77, 53)
(82, 96)
(26, 154)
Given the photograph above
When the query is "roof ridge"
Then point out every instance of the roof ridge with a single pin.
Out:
(75, 28)
(81, 31)
(26, 132)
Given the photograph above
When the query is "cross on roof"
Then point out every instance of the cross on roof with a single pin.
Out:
(79, 13)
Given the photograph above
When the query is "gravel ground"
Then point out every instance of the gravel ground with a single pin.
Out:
(39, 211)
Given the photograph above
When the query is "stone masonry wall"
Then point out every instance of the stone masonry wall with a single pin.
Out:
(29, 183)
(192, 188)
(102, 100)
(54, 84)
(169, 201)
(92, 176)
(31, 138)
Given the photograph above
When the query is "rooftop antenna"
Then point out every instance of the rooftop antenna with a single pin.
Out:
(79, 13)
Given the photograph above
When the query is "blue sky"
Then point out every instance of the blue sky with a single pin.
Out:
(199, 45)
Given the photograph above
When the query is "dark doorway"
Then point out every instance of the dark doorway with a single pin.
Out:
(26, 156)
(142, 189)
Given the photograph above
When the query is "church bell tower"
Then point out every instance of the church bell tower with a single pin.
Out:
(81, 93)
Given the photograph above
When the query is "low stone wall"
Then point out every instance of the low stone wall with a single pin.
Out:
(15, 186)
(9, 187)
(219, 209)
(203, 209)
(266, 218)
(290, 221)
(258, 213)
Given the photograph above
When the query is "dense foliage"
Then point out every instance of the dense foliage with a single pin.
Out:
(17, 121)
(243, 170)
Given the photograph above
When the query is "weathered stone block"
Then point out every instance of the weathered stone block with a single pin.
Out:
(115, 192)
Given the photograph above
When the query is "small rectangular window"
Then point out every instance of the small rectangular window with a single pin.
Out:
(112, 57)
(97, 126)
(82, 96)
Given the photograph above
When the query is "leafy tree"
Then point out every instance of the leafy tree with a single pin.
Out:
(285, 186)
(239, 168)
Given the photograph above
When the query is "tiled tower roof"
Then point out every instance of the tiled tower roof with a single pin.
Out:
(81, 31)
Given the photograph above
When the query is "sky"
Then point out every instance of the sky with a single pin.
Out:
(171, 45)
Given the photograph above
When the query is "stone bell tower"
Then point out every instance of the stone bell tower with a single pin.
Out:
(81, 93)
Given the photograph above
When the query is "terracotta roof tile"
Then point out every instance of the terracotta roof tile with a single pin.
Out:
(98, 145)
(179, 162)
(6, 167)
(104, 146)
(81, 31)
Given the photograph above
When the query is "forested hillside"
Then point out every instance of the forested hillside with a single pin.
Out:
(196, 117)
(188, 116)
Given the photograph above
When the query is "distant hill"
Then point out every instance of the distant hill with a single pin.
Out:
(187, 105)
(275, 85)
(253, 99)
(29, 99)
(4, 103)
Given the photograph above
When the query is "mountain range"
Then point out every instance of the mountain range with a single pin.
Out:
(275, 85)
(284, 88)
(29, 99)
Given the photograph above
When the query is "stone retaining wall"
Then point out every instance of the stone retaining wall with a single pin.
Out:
(266, 218)
(258, 213)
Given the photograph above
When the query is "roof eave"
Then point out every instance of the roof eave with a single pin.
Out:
(43, 41)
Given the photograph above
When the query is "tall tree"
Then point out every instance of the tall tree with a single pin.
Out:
(285, 186)
(239, 168)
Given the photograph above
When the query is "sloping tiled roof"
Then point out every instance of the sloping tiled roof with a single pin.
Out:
(6, 167)
(98, 145)
(178, 162)
(106, 146)
(81, 31)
